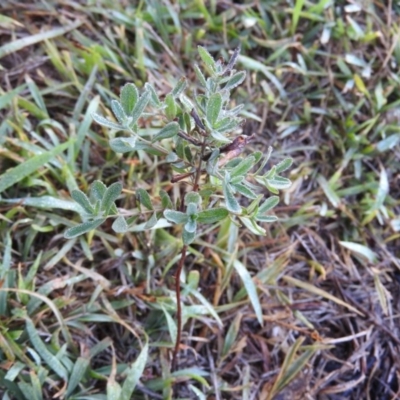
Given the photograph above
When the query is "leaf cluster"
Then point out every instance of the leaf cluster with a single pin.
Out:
(200, 138)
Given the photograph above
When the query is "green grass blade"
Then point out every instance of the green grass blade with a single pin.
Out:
(45, 354)
(14, 175)
(134, 372)
(250, 287)
(19, 44)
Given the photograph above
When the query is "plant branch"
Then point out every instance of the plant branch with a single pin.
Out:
(180, 266)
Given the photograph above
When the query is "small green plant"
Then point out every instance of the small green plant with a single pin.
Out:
(200, 137)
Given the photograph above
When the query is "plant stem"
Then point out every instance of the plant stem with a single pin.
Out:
(180, 266)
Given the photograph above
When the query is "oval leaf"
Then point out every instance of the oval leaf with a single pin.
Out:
(211, 216)
(129, 97)
(83, 228)
(120, 225)
(82, 200)
(176, 217)
(268, 204)
(111, 194)
(170, 130)
(144, 198)
(214, 107)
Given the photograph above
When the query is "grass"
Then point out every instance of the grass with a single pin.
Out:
(93, 318)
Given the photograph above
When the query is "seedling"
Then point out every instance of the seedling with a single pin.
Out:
(204, 133)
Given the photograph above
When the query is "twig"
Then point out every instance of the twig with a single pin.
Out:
(180, 266)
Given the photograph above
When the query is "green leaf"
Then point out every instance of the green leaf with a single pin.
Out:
(134, 372)
(207, 58)
(113, 389)
(269, 204)
(298, 5)
(176, 217)
(212, 215)
(284, 165)
(78, 372)
(123, 145)
(16, 174)
(106, 122)
(151, 222)
(227, 124)
(139, 107)
(172, 327)
(129, 97)
(220, 138)
(118, 111)
(188, 237)
(279, 183)
(179, 87)
(51, 360)
(266, 218)
(235, 80)
(170, 109)
(111, 194)
(244, 166)
(46, 202)
(165, 199)
(192, 197)
(360, 250)
(191, 225)
(250, 288)
(200, 75)
(154, 100)
(97, 190)
(245, 191)
(214, 107)
(231, 335)
(170, 130)
(252, 226)
(82, 200)
(120, 225)
(83, 228)
(191, 209)
(144, 198)
(231, 203)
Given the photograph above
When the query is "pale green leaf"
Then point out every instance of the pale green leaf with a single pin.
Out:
(250, 288)
(120, 225)
(134, 372)
(207, 58)
(170, 130)
(144, 198)
(78, 372)
(360, 250)
(111, 194)
(214, 107)
(123, 145)
(82, 200)
(83, 228)
(212, 215)
(235, 80)
(176, 217)
(106, 122)
(179, 87)
(129, 97)
(118, 111)
(45, 354)
(30, 166)
(139, 107)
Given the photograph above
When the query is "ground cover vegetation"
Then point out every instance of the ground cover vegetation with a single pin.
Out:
(308, 310)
